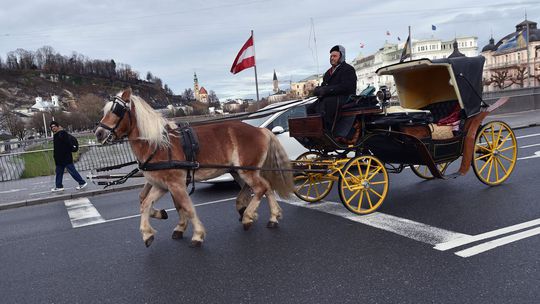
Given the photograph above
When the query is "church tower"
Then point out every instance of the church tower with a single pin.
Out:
(195, 87)
(275, 82)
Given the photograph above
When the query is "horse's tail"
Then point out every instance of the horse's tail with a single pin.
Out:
(281, 180)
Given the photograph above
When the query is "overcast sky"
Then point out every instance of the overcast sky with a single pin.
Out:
(174, 39)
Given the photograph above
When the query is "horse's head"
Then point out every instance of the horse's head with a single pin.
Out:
(115, 125)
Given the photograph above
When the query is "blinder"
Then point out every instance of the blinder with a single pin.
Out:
(119, 108)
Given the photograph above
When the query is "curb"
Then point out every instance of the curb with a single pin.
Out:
(39, 201)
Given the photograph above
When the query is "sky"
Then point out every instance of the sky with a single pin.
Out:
(174, 39)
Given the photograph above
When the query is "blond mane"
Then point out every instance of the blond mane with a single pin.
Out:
(151, 124)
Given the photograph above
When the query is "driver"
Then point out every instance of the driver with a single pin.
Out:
(338, 83)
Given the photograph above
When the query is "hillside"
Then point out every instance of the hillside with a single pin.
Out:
(19, 88)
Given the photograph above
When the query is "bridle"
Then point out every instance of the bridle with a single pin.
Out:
(119, 108)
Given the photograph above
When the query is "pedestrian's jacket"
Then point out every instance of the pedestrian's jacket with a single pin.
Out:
(62, 148)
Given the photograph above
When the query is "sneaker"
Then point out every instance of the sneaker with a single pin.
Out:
(79, 187)
(57, 189)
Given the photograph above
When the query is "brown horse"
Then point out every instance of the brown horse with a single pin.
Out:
(234, 144)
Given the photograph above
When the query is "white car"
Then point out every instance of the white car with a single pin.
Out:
(278, 123)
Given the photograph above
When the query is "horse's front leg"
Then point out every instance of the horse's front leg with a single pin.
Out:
(178, 232)
(242, 200)
(158, 214)
(147, 231)
(182, 199)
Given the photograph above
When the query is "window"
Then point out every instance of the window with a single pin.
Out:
(283, 119)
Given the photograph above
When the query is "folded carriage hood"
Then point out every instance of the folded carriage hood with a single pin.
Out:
(423, 82)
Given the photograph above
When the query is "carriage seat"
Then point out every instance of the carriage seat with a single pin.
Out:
(441, 110)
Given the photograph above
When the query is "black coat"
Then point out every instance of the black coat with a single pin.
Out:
(341, 82)
(62, 148)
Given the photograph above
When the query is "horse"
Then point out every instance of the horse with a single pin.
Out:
(252, 154)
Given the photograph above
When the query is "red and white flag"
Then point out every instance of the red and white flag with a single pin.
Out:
(245, 58)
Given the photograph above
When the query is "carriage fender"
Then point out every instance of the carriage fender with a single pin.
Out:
(472, 125)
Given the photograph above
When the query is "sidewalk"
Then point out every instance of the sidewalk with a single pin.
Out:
(37, 190)
(32, 191)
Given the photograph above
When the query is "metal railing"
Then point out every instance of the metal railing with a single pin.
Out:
(16, 165)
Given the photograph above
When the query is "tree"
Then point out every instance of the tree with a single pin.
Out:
(90, 109)
(500, 79)
(213, 100)
(37, 122)
(12, 123)
(188, 95)
(520, 75)
(149, 76)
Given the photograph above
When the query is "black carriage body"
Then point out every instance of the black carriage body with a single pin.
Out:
(428, 91)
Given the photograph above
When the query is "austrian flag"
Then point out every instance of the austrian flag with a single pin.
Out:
(245, 58)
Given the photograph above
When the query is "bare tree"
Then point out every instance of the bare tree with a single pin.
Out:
(520, 75)
(501, 78)
(90, 108)
(12, 123)
(188, 95)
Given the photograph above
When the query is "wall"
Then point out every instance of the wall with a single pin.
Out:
(523, 99)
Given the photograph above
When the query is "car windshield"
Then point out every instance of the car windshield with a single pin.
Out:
(256, 122)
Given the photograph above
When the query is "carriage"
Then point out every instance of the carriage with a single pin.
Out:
(438, 121)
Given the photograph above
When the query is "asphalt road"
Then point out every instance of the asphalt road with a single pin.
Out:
(321, 253)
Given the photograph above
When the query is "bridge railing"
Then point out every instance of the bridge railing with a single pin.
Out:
(40, 162)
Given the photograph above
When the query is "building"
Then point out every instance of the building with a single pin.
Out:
(203, 95)
(304, 87)
(46, 106)
(511, 60)
(390, 53)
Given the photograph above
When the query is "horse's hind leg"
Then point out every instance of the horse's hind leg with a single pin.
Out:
(259, 186)
(147, 231)
(181, 198)
(178, 232)
(242, 200)
(158, 214)
(275, 209)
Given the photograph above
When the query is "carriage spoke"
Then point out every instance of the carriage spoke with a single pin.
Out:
(502, 166)
(507, 148)
(490, 168)
(374, 173)
(368, 167)
(376, 193)
(482, 156)
(369, 200)
(487, 141)
(504, 140)
(354, 194)
(487, 162)
(506, 158)
(484, 147)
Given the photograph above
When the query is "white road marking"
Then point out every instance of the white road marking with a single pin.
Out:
(530, 135)
(12, 190)
(474, 238)
(168, 210)
(529, 146)
(535, 155)
(404, 227)
(82, 212)
(498, 242)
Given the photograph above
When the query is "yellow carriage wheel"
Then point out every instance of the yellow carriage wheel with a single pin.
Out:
(422, 171)
(363, 184)
(308, 186)
(495, 153)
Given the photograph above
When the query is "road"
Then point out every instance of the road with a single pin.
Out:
(438, 241)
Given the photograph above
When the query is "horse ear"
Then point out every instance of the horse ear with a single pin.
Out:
(126, 95)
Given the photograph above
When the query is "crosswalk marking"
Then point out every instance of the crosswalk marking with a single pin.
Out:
(497, 242)
(82, 212)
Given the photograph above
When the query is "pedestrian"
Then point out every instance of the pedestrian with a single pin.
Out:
(339, 82)
(63, 158)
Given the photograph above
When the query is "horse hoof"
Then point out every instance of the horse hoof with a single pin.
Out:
(195, 244)
(149, 241)
(164, 214)
(247, 226)
(272, 225)
(241, 211)
(176, 235)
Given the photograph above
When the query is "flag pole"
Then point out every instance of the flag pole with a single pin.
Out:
(528, 54)
(255, 66)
